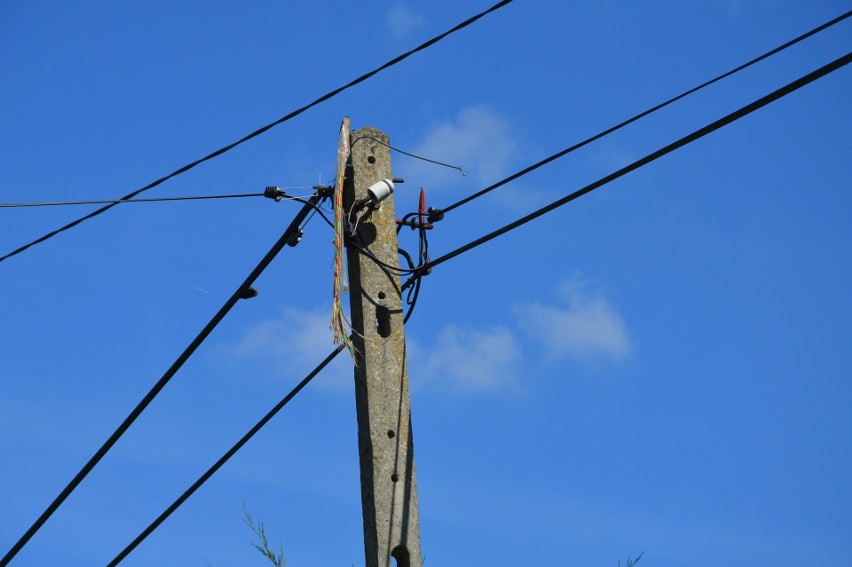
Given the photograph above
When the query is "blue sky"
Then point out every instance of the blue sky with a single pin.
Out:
(663, 365)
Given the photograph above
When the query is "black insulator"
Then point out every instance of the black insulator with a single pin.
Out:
(435, 215)
(248, 293)
(296, 237)
(273, 193)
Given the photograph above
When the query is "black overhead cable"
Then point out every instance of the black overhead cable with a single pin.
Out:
(646, 113)
(412, 300)
(644, 161)
(243, 291)
(279, 196)
(222, 460)
(246, 285)
(269, 126)
(732, 117)
(116, 201)
(748, 109)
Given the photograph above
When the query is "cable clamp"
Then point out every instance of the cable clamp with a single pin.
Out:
(324, 191)
(434, 215)
(296, 237)
(274, 193)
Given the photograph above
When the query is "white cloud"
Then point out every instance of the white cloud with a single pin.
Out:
(588, 327)
(478, 140)
(299, 339)
(402, 21)
(467, 360)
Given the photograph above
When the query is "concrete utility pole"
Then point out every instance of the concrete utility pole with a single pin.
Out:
(385, 439)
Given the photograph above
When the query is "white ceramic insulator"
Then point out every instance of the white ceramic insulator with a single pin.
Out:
(380, 190)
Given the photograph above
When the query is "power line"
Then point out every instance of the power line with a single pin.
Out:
(260, 424)
(732, 117)
(279, 197)
(116, 201)
(651, 110)
(222, 460)
(263, 129)
(243, 291)
(423, 255)
(245, 286)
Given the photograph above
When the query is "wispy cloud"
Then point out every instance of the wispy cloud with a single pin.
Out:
(298, 339)
(585, 325)
(468, 360)
(403, 21)
(477, 139)
(481, 142)
(581, 324)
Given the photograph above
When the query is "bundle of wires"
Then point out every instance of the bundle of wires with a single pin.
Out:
(417, 271)
(339, 323)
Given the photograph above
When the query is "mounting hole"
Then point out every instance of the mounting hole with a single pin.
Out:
(391, 433)
(401, 557)
(394, 477)
(383, 321)
(382, 295)
(371, 159)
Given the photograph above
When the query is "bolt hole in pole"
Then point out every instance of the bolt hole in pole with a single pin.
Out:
(391, 433)
(383, 323)
(395, 477)
(400, 556)
(371, 159)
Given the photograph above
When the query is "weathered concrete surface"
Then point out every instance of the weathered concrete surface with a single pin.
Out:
(385, 439)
